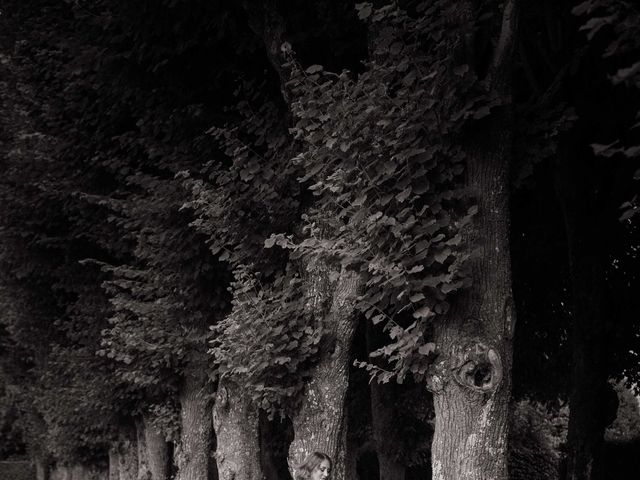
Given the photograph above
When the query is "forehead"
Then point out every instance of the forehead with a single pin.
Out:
(324, 464)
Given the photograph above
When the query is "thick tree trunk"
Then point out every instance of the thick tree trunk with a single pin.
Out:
(196, 428)
(383, 423)
(236, 424)
(319, 424)
(157, 450)
(127, 454)
(42, 467)
(472, 381)
(471, 405)
(114, 471)
(143, 457)
(60, 472)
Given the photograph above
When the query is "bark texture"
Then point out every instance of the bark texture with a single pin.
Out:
(157, 451)
(319, 424)
(236, 424)
(114, 470)
(143, 457)
(127, 455)
(472, 381)
(196, 429)
(471, 404)
(42, 467)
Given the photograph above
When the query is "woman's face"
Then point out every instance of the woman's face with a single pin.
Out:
(322, 471)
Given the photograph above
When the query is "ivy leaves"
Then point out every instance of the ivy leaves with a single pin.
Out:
(266, 341)
(623, 19)
(380, 153)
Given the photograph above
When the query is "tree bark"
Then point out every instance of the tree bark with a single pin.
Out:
(196, 428)
(114, 471)
(143, 457)
(236, 424)
(59, 472)
(157, 450)
(319, 424)
(472, 381)
(475, 344)
(127, 454)
(42, 467)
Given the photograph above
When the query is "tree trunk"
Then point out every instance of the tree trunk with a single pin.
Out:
(127, 454)
(59, 472)
(383, 422)
(143, 457)
(471, 405)
(42, 467)
(114, 471)
(472, 381)
(319, 424)
(196, 429)
(157, 453)
(236, 424)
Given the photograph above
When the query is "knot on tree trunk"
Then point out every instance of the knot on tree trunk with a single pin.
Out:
(479, 368)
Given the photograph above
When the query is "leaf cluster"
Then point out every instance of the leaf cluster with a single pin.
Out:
(381, 152)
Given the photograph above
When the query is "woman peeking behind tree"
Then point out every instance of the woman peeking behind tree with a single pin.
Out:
(317, 466)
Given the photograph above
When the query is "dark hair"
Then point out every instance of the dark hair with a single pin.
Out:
(312, 461)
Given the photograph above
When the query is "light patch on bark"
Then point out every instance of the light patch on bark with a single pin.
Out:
(437, 471)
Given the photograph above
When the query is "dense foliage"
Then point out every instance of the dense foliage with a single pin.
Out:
(174, 174)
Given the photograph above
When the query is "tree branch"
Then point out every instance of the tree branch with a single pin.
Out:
(506, 41)
(268, 24)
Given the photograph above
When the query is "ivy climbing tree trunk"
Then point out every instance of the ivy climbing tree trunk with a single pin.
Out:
(195, 425)
(236, 424)
(319, 423)
(157, 450)
(472, 384)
